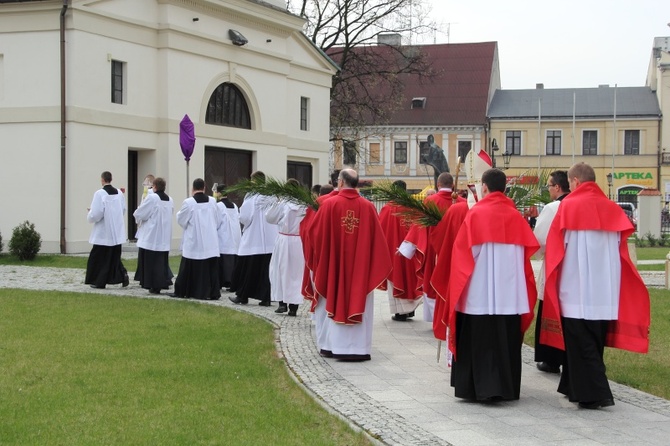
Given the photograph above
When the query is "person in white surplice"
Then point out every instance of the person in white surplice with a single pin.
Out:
(288, 262)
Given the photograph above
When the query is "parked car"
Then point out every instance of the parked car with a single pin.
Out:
(629, 209)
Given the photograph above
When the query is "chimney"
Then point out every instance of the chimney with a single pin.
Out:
(393, 39)
(539, 86)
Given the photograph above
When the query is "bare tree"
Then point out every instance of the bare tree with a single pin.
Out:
(369, 87)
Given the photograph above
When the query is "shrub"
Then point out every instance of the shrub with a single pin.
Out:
(651, 239)
(25, 242)
(0, 241)
(665, 240)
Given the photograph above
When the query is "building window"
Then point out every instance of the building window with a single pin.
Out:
(553, 142)
(589, 142)
(228, 107)
(304, 113)
(631, 142)
(349, 150)
(400, 152)
(513, 142)
(374, 154)
(463, 148)
(419, 103)
(117, 81)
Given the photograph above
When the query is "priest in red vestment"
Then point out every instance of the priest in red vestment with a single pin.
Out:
(404, 290)
(353, 260)
(593, 296)
(443, 242)
(417, 243)
(318, 303)
(491, 295)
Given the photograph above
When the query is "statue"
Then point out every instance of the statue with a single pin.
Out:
(435, 158)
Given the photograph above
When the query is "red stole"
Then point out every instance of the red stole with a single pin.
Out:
(445, 232)
(587, 208)
(493, 219)
(353, 258)
(403, 276)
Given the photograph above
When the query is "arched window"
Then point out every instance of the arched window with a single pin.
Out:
(228, 107)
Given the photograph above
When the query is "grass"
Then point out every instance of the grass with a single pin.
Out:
(69, 261)
(656, 253)
(651, 372)
(91, 369)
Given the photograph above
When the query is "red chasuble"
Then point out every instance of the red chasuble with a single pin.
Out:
(420, 237)
(404, 279)
(353, 258)
(587, 208)
(494, 219)
(307, 249)
(446, 232)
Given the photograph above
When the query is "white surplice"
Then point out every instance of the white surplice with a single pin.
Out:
(200, 222)
(106, 214)
(154, 218)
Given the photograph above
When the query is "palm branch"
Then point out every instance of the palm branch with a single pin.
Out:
(272, 187)
(425, 214)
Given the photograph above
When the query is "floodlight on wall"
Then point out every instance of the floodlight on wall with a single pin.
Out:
(237, 37)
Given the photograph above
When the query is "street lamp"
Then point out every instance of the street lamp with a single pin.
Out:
(609, 185)
(507, 157)
(494, 149)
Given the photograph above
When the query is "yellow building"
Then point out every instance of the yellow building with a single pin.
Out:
(549, 129)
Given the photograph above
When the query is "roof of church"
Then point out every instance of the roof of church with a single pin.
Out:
(587, 103)
(457, 93)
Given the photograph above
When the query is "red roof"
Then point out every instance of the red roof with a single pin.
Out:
(458, 92)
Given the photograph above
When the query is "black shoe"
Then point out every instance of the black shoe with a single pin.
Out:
(597, 404)
(410, 315)
(548, 368)
(98, 287)
(352, 358)
(281, 309)
(399, 317)
(174, 295)
(326, 353)
(238, 301)
(264, 303)
(292, 310)
(126, 281)
(154, 291)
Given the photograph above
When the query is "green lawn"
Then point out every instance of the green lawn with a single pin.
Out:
(70, 261)
(91, 369)
(656, 253)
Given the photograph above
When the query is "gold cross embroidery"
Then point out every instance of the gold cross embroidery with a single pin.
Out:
(350, 222)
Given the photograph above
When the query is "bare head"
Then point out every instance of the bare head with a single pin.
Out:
(106, 177)
(445, 181)
(580, 173)
(558, 184)
(198, 185)
(493, 180)
(348, 179)
(158, 184)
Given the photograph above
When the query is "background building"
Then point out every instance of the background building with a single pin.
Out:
(549, 129)
(88, 86)
(450, 105)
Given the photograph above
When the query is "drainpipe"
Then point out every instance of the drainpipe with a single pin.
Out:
(660, 157)
(62, 127)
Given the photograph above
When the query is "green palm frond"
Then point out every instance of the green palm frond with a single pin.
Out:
(526, 194)
(272, 187)
(425, 214)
